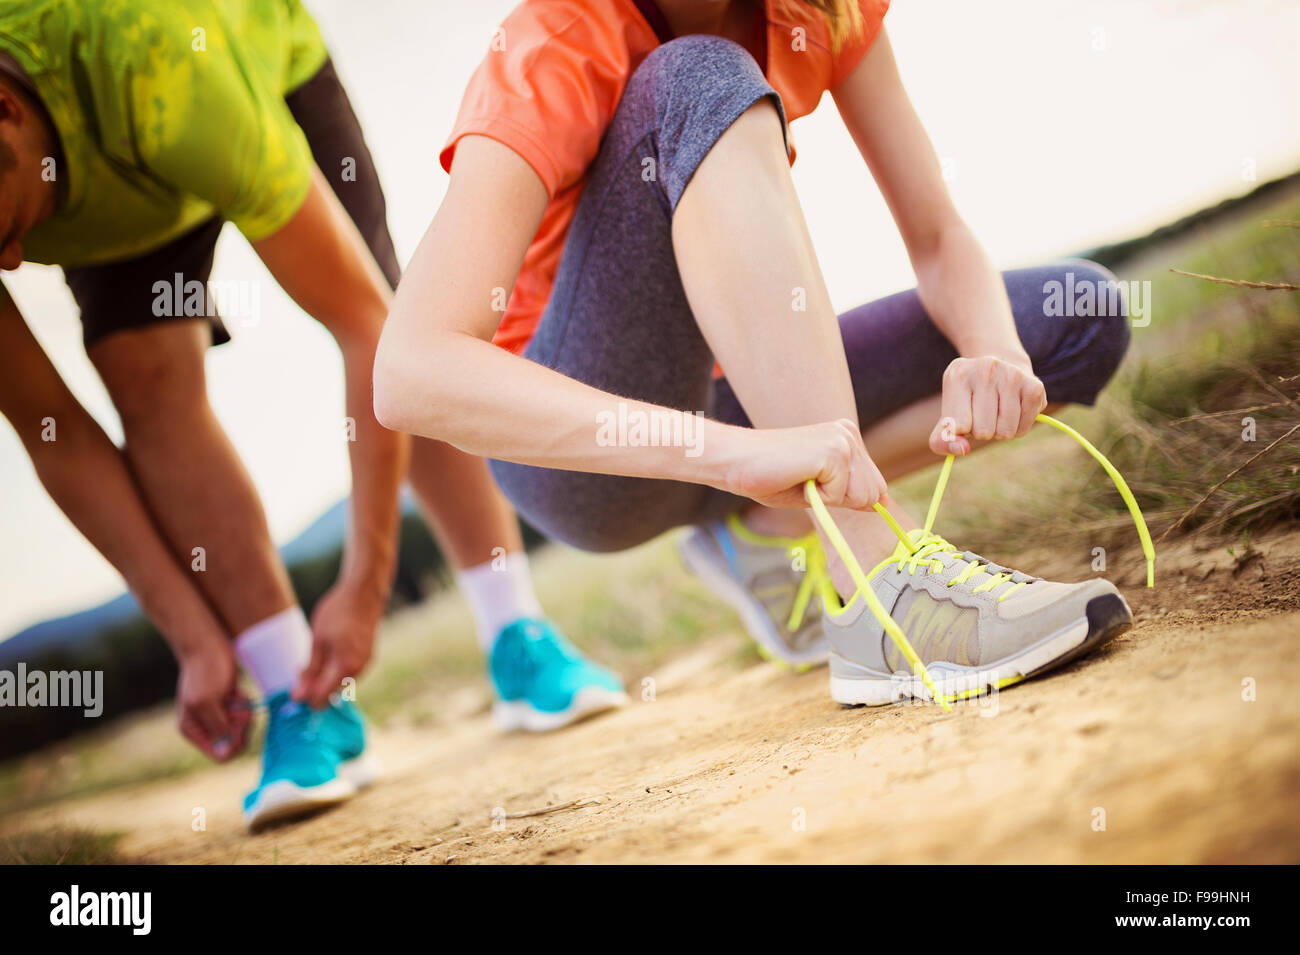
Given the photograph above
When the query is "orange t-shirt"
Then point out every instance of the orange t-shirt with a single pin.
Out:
(550, 84)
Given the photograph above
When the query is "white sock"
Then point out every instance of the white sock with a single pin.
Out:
(499, 595)
(276, 650)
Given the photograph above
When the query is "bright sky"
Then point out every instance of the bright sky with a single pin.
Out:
(1064, 124)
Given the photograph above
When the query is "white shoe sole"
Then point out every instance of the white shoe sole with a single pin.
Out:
(761, 628)
(953, 681)
(283, 800)
(587, 702)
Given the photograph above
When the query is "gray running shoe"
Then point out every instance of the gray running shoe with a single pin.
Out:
(975, 625)
(776, 584)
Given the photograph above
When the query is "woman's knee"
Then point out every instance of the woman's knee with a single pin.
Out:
(1073, 318)
(697, 87)
(1107, 327)
(690, 64)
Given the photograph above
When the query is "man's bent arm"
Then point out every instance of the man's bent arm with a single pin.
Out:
(321, 261)
(319, 258)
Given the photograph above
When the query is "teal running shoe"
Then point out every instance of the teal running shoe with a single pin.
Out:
(542, 682)
(343, 729)
(300, 765)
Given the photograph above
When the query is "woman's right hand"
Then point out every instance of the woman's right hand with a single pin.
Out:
(211, 711)
(774, 464)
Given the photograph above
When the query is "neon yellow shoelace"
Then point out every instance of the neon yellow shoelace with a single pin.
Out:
(922, 550)
(815, 579)
(924, 556)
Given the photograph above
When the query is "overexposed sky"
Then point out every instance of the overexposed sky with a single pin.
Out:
(1064, 123)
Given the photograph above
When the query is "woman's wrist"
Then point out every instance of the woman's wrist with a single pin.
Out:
(1011, 352)
(723, 449)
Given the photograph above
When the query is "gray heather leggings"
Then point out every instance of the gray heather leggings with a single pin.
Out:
(618, 318)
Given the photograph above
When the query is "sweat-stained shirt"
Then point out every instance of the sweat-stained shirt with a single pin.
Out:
(168, 112)
(555, 74)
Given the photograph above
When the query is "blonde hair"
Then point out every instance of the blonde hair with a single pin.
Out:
(843, 17)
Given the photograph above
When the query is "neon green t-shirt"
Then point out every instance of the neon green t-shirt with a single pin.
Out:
(169, 112)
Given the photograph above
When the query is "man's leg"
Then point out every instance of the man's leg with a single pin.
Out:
(477, 530)
(197, 488)
(205, 503)
(200, 494)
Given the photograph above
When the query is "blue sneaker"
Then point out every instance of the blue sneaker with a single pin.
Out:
(343, 729)
(300, 766)
(542, 682)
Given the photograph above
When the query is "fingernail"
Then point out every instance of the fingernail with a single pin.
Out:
(954, 447)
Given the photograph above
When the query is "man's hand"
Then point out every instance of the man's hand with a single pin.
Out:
(986, 398)
(210, 709)
(343, 629)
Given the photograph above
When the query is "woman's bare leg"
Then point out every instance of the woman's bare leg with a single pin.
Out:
(750, 273)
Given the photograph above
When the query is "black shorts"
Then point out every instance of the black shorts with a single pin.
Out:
(120, 295)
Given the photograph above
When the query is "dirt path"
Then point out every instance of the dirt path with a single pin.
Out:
(758, 765)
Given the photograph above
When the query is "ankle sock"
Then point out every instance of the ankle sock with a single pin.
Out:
(499, 592)
(276, 650)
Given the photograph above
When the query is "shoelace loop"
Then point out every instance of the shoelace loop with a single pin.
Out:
(924, 557)
(932, 541)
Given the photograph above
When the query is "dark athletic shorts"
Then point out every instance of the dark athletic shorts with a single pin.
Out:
(120, 295)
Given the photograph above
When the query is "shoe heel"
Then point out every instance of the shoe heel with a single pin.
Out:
(362, 771)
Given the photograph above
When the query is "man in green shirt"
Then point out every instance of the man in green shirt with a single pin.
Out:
(130, 131)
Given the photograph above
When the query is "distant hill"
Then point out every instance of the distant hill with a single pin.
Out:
(1117, 253)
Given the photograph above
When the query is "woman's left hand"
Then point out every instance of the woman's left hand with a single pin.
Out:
(984, 399)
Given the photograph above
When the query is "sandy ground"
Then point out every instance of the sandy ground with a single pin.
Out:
(1144, 752)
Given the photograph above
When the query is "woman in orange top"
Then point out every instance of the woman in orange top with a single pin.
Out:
(620, 170)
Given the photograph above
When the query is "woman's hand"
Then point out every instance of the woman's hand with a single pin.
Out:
(211, 711)
(775, 463)
(986, 398)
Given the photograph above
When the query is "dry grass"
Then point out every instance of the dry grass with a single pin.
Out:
(62, 846)
(1207, 388)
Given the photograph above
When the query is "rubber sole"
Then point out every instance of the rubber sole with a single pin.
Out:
(284, 799)
(757, 622)
(1105, 618)
(520, 715)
